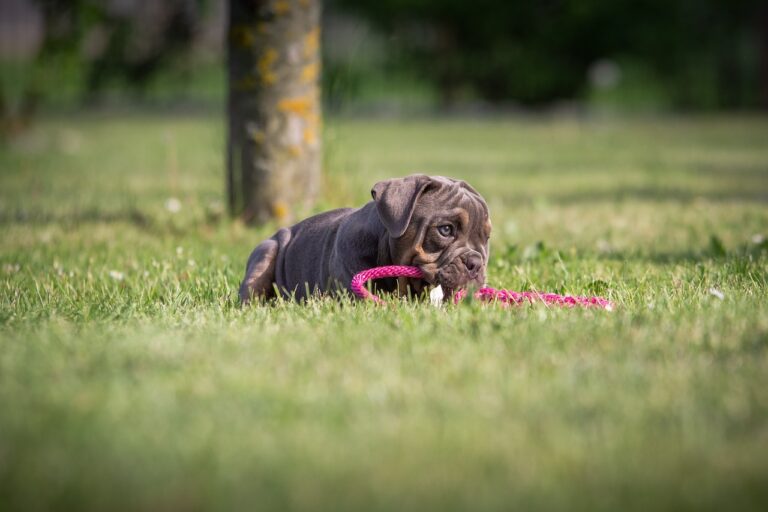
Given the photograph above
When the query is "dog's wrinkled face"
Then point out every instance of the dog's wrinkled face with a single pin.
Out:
(438, 224)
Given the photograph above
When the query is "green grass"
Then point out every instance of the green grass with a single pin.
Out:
(130, 378)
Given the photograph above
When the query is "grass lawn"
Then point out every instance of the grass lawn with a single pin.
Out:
(130, 378)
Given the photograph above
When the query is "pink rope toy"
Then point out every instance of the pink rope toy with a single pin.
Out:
(506, 297)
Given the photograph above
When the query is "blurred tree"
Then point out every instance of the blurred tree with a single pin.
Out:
(762, 21)
(127, 42)
(273, 148)
(132, 45)
(62, 30)
(704, 52)
(110, 41)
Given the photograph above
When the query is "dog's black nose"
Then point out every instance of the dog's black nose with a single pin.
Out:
(474, 263)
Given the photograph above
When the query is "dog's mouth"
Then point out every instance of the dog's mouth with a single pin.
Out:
(418, 286)
(449, 278)
(430, 273)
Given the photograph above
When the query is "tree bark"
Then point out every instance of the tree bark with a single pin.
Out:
(273, 147)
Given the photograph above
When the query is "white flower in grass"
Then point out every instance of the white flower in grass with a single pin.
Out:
(716, 293)
(758, 238)
(173, 205)
(216, 207)
(116, 275)
(9, 268)
(604, 246)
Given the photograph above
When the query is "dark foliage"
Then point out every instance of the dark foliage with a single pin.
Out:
(706, 53)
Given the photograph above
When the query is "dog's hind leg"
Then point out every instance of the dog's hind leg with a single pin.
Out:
(260, 272)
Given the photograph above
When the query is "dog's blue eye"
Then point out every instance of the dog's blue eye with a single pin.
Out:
(445, 230)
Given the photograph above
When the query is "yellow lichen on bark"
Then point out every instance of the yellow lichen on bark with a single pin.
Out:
(309, 72)
(300, 105)
(310, 135)
(264, 66)
(311, 43)
(258, 136)
(281, 7)
(280, 210)
(312, 128)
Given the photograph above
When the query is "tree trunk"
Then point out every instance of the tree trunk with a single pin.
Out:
(273, 148)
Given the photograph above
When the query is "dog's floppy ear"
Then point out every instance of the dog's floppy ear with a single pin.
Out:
(396, 200)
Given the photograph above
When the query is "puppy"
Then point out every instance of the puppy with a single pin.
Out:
(438, 224)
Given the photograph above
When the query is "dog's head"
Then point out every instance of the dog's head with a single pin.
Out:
(438, 224)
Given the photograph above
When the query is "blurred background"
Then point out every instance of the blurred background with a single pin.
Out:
(394, 57)
(622, 148)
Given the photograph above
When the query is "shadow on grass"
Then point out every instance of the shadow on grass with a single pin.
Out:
(665, 258)
(713, 253)
(25, 217)
(132, 217)
(647, 194)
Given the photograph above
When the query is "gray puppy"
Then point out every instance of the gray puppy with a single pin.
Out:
(438, 224)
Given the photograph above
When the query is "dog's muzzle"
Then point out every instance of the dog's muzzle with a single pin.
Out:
(464, 270)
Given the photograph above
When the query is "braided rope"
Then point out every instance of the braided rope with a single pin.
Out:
(505, 297)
